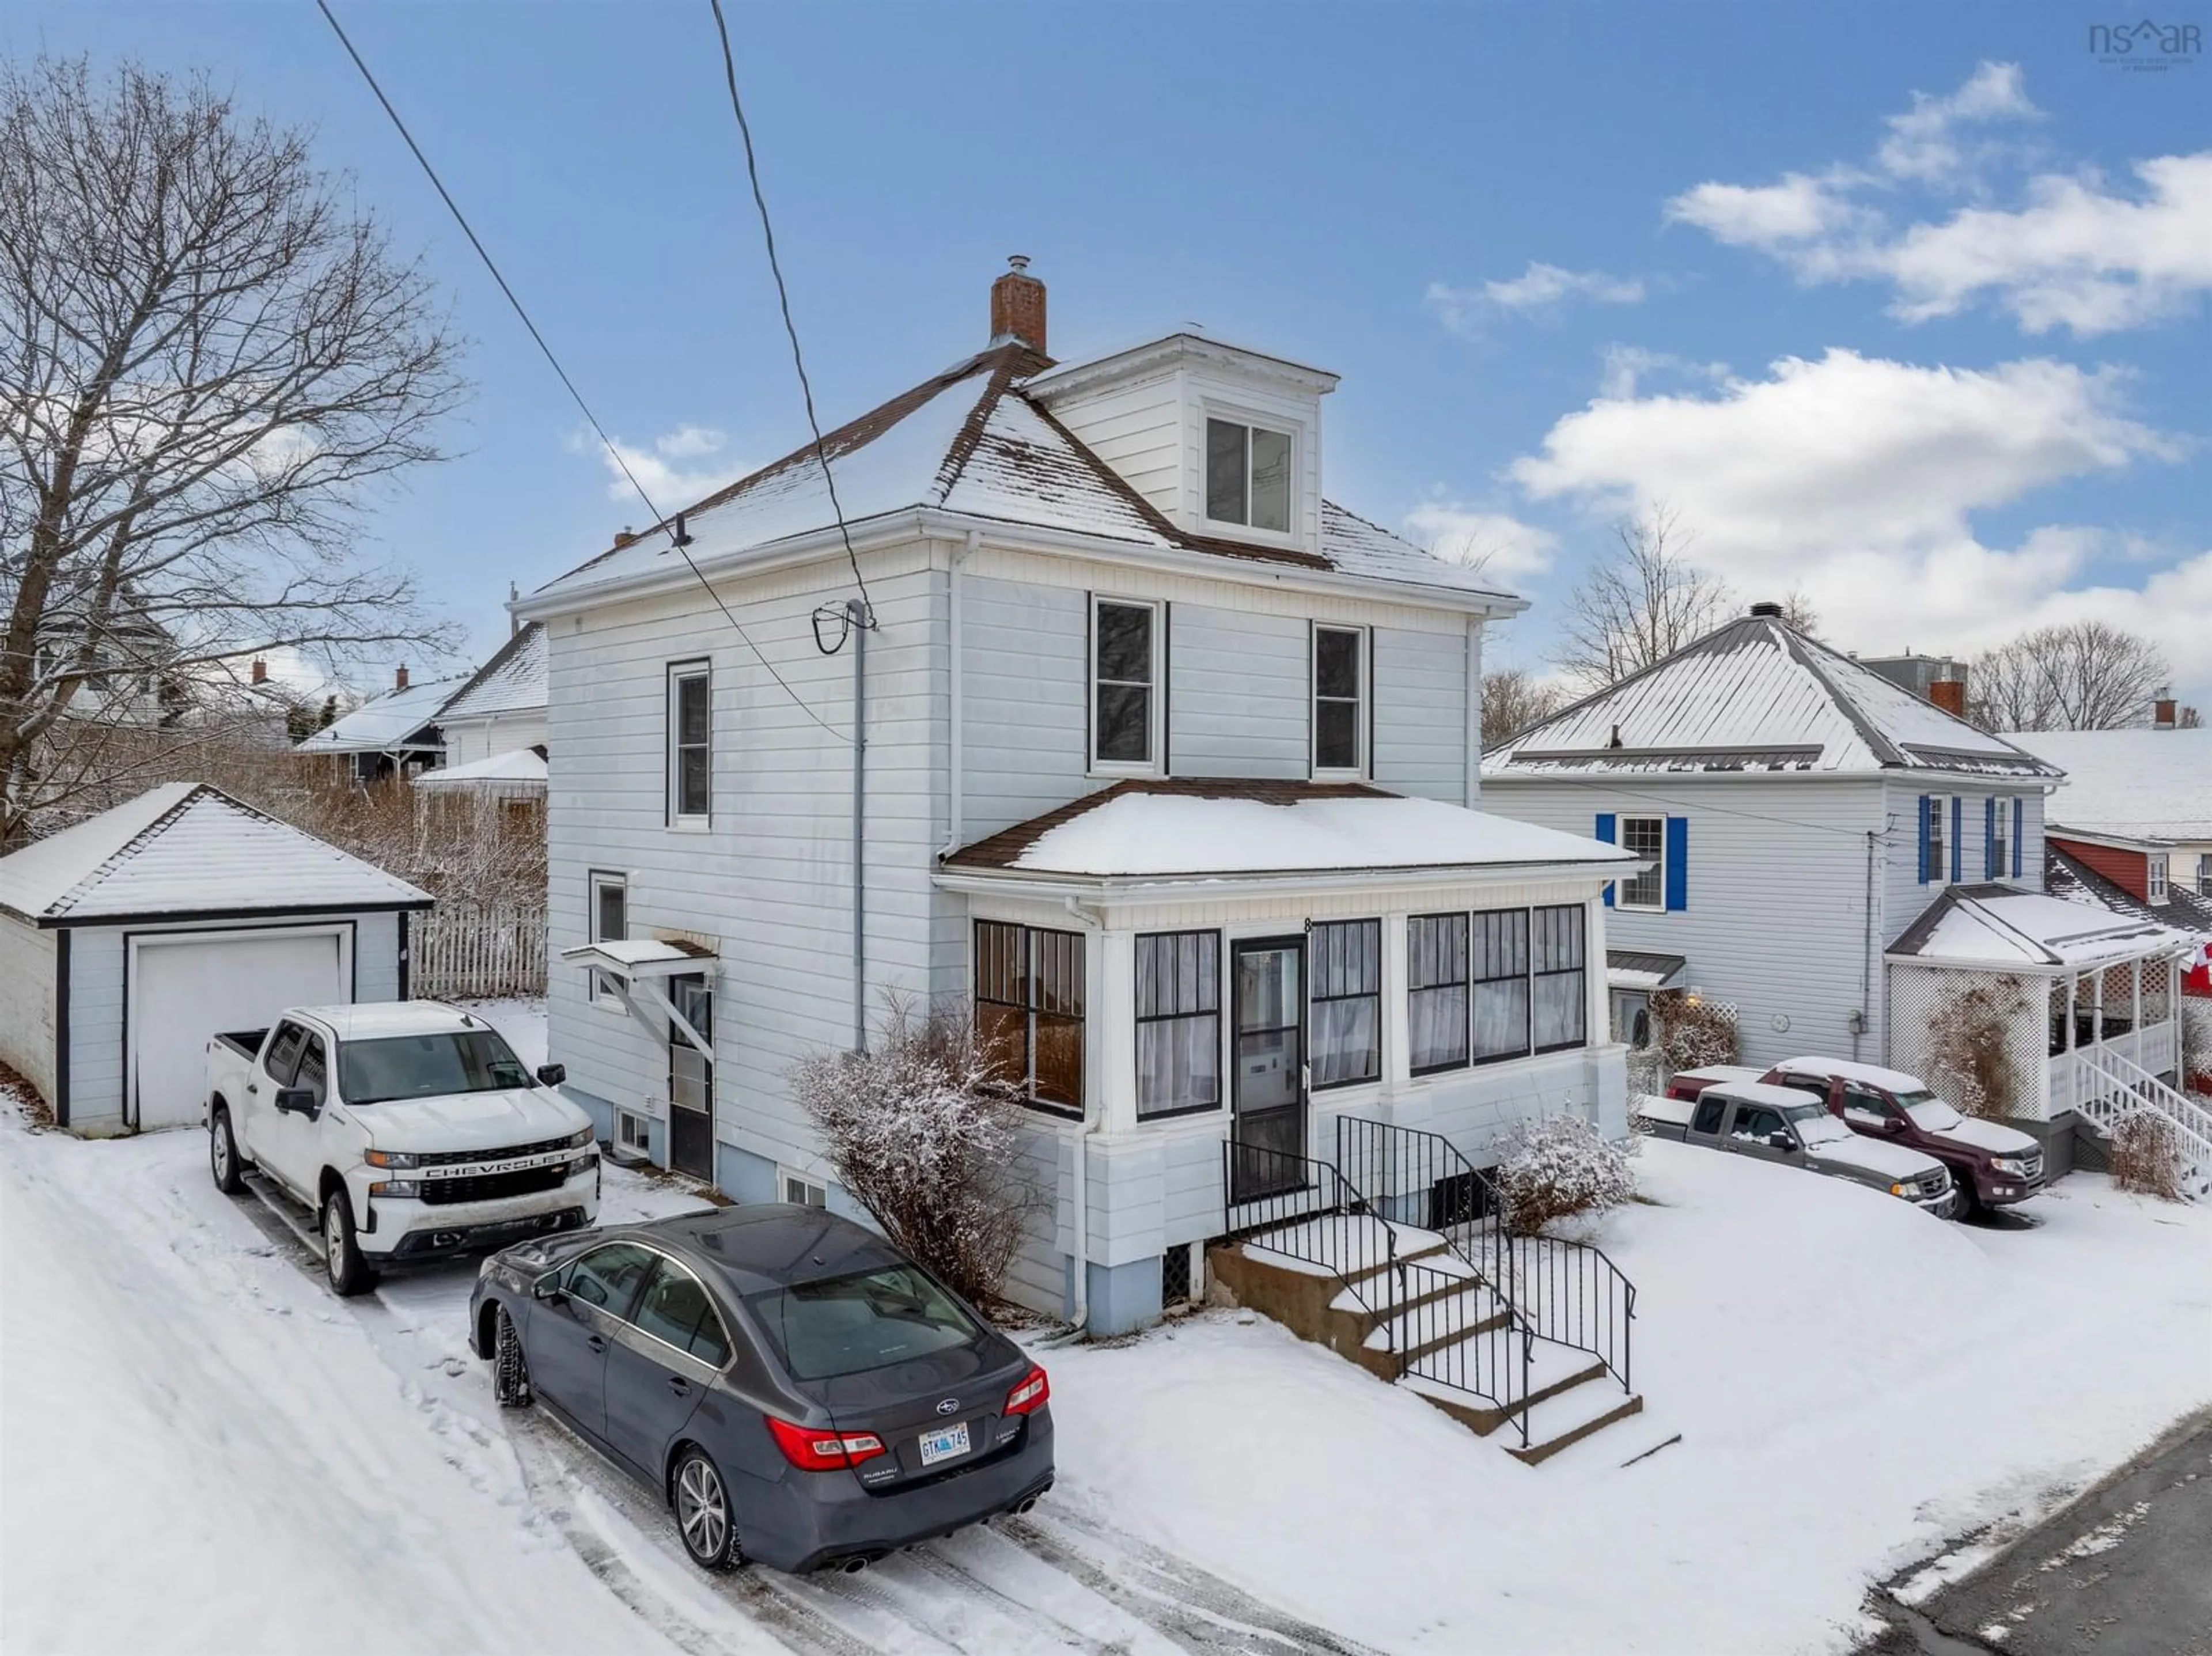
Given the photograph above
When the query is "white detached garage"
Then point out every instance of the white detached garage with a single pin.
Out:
(128, 940)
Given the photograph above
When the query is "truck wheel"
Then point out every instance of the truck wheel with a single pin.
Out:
(704, 1517)
(222, 1154)
(510, 1369)
(349, 1273)
(1970, 1199)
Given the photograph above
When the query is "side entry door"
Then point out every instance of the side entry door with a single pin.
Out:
(1267, 1070)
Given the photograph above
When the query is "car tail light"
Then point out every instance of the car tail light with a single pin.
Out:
(813, 1450)
(1032, 1394)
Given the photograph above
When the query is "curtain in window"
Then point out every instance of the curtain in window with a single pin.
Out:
(1437, 990)
(1347, 1002)
(1560, 974)
(1500, 966)
(1178, 1022)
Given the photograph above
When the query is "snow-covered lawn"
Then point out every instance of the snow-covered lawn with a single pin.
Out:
(1853, 1381)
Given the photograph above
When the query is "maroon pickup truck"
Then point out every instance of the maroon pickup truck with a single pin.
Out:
(1993, 1165)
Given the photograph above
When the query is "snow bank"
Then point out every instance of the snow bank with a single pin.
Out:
(1853, 1381)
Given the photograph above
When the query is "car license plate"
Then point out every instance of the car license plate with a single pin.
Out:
(945, 1444)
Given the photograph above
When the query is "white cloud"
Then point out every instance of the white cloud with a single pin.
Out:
(2078, 253)
(1856, 479)
(1539, 287)
(1626, 366)
(1500, 544)
(675, 468)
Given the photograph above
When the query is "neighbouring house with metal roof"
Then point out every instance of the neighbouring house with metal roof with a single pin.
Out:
(129, 939)
(1849, 868)
(494, 727)
(395, 734)
(1171, 767)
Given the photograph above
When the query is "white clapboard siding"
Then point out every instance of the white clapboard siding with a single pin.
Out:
(464, 950)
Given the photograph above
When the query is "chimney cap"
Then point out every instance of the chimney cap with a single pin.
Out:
(1767, 608)
(1018, 261)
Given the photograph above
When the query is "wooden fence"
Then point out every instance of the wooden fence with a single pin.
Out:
(462, 950)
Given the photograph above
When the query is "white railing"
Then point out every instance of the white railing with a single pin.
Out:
(2130, 1089)
(463, 952)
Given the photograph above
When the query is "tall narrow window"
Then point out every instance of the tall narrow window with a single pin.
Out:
(1124, 679)
(1178, 1022)
(1347, 1002)
(2000, 839)
(1938, 817)
(1339, 671)
(1029, 1009)
(2156, 877)
(1559, 976)
(1500, 967)
(1248, 476)
(1436, 992)
(690, 744)
(2204, 874)
(1646, 837)
(610, 923)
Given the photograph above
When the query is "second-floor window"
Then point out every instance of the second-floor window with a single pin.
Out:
(1248, 476)
(1124, 679)
(2000, 812)
(2204, 875)
(1646, 837)
(2155, 870)
(1935, 818)
(690, 744)
(1340, 684)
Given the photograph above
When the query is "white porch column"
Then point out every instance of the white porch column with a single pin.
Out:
(1397, 1027)
(1112, 1030)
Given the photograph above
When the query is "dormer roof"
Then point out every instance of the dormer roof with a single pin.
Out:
(1757, 696)
(1176, 351)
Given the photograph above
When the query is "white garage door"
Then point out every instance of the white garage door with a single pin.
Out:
(185, 989)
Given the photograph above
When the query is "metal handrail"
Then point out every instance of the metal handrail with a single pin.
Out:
(1296, 1190)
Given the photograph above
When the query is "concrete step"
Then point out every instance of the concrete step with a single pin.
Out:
(1569, 1416)
(1436, 1275)
(1439, 1319)
(1456, 1385)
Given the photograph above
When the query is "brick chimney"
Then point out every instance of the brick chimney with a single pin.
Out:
(2161, 712)
(623, 537)
(399, 678)
(260, 670)
(1017, 307)
(1949, 694)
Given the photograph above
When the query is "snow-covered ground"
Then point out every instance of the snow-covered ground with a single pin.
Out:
(201, 1450)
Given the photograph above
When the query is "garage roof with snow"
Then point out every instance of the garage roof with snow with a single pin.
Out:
(187, 848)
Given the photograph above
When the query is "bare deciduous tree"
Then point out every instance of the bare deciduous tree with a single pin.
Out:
(2076, 676)
(1640, 604)
(210, 357)
(1514, 700)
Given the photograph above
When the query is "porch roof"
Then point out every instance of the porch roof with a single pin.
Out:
(632, 959)
(1631, 968)
(521, 769)
(1226, 829)
(1997, 926)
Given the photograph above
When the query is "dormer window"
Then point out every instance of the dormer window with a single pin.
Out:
(1248, 476)
(2156, 885)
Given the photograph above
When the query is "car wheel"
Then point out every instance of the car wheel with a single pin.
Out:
(703, 1515)
(349, 1273)
(1970, 1199)
(510, 1369)
(222, 1154)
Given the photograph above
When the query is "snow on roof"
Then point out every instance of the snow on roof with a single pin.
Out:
(1755, 695)
(1198, 829)
(971, 441)
(512, 682)
(1629, 968)
(186, 848)
(520, 767)
(2141, 785)
(640, 957)
(2068, 878)
(1996, 925)
(392, 721)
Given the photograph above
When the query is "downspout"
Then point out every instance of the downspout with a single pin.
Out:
(861, 621)
(1866, 957)
(1079, 1316)
(955, 802)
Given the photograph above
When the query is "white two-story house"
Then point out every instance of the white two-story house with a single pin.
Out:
(1838, 861)
(1162, 760)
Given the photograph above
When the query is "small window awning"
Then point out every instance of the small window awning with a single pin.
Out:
(634, 960)
(1629, 968)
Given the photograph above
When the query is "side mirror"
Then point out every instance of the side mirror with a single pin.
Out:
(1893, 1124)
(1781, 1141)
(552, 1075)
(299, 1100)
(547, 1289)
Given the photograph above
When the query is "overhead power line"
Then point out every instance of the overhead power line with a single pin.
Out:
(676, 540)
(783, 299)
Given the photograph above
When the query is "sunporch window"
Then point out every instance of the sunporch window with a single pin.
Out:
(1559, 977)
(1347, 1002)
(1501, 983)
(1436, 992)
(1029, 1009)
(1178, 1022)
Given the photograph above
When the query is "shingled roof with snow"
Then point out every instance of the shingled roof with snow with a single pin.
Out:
(512, 682)
(970, 441)
(189, 848)
(2138, 783)
(396, 722)
(1756, 696)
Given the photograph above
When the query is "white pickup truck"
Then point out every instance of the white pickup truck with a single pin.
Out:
(409, 1128)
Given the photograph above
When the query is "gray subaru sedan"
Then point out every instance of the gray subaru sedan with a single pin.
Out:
(803, 1393)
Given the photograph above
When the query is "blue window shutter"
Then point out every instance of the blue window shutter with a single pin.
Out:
(2019, 827)
(1926, 873)
(1958, 850)
(1990, 869)
(1678, 864)
(1607, 832)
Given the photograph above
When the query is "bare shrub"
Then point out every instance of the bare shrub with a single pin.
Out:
(2196, 1036)
(1970, 1048)
(1691, 1032)
(2147, 1157)
(928, 1142)
(1559, 1167)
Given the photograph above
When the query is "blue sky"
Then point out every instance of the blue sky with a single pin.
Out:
(1905, 307)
